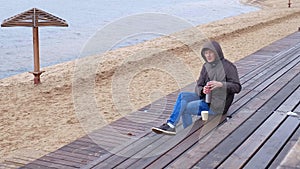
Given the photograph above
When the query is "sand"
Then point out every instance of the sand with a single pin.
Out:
(75, 98)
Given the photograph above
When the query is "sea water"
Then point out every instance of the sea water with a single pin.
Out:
(85, 17)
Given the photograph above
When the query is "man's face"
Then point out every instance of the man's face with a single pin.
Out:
(209, 55)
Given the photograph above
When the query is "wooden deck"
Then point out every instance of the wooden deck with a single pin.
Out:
(259, 134)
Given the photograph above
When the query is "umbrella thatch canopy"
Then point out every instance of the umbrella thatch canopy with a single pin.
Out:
(34, 18)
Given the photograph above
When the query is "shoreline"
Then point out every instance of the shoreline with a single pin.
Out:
(76, 35)
(30, 115)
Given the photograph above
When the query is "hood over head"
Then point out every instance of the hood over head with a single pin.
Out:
(215, 47)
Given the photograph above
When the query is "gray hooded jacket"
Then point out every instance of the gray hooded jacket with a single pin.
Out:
(220, 70)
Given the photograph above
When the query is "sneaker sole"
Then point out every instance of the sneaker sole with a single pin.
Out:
(160, 131)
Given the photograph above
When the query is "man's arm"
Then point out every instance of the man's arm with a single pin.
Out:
(201, 82)
(232, 83)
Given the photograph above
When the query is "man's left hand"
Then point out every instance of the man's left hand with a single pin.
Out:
(214, 84)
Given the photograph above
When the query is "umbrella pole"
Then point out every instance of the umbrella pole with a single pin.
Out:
(37, 73)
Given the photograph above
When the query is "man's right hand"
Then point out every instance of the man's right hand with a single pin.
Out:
(206, 89)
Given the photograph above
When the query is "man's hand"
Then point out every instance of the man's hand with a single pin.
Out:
(206, 89)
(212, 85)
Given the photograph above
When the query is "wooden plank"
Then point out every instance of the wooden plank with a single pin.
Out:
(297, 109)
(279, 72)
(36, 166)
(158, 143)
(291, 104)
(73, 155)
(67, 161)
(110, 135)
(287, 148)
(62, 160)
(261, 86)
(179, 148)
(276, 60)
(252, 144)
(150, 152)
(225, 148)
(44, 164)
(271, 70)
(263, 158)
(133, 143)
(122, 153)
(137, 146)
(92, 151)
(78, 152)
(160, 162)
(201, 150)
(68, 158)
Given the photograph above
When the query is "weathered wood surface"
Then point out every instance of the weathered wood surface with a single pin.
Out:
(270, 78)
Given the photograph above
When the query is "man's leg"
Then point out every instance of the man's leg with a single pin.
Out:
(193, 108)
(182, 100)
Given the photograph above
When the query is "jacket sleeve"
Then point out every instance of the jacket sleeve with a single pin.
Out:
(232, 83)
(201, 82)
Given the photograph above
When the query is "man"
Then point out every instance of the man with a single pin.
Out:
(218, 79)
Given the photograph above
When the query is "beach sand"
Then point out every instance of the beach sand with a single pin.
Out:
(36, 120)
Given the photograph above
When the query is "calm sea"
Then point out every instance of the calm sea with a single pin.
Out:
(85, 17)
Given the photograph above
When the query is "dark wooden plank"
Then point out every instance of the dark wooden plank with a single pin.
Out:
(45, 164)
(92, 151)
(68, 158)
(276, 60)
(73, 155)
(297, 109)
(225, 148)
(114, 159)
(250, 146)
(67, 161)
(253, 143)
(270, 70)
(150, 152)
(287, 147)
(204, 146)
(106, 135)
(124, 152)
(92, 141)
(148, 149)
(36, 166)
(263, 158)
(260, 85)
(136, 143)
(78, 152)
(292, 104)
(179, 148)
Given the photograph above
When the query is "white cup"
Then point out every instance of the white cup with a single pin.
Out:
(204, 115)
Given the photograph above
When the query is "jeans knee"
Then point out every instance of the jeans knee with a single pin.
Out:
(184, 95)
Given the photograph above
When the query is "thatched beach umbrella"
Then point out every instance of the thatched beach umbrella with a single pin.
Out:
(34, 18)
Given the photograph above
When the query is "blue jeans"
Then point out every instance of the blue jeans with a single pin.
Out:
(187, 104)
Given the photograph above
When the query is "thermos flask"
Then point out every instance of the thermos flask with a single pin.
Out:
(208, 98)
